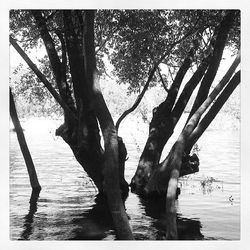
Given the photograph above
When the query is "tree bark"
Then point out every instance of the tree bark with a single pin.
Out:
(24, 148)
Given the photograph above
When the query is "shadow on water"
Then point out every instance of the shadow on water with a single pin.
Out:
(94, 224)
(188, 229)
(28, 219)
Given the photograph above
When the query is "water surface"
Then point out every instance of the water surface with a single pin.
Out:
(208, 206)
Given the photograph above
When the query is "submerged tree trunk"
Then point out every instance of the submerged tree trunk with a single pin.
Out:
(165, 178)
(24, 148)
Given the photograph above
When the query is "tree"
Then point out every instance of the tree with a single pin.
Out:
(36, 188)
(167, 114)
(140, 42)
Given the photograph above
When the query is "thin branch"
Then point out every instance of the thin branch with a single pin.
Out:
(171, 74)
(162, 80)
(49, 45)
(138, 99)
(151, 74)
(64, 56)
(106, 40)
(168, 104)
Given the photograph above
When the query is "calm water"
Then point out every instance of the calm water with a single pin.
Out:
(67, 208)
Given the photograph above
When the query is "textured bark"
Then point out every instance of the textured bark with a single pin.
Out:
(24, 148)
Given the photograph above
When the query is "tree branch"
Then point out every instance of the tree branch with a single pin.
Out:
(213, 111)
(138, 99)
(151, 74)
(219, 45)
(165, 107)
(162, 81)
(49, 44)
(188, 89)
(193, 121)
(106, 40)
(42, 79)
(59, 69)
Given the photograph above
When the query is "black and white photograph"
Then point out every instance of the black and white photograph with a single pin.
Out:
(125, 124)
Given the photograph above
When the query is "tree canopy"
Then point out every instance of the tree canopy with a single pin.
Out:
(133, 40)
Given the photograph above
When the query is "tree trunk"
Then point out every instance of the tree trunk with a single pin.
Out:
(162, 126)
(165, 178)
(111, 154)
(24, 148)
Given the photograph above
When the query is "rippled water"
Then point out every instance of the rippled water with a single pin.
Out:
(67, 208)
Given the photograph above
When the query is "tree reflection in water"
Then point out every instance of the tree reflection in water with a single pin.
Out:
(96, 224)
(28, 219)
(188, 229)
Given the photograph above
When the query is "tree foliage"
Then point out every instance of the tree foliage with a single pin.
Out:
(133, 40)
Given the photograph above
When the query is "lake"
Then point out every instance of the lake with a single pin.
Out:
(67, 208)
